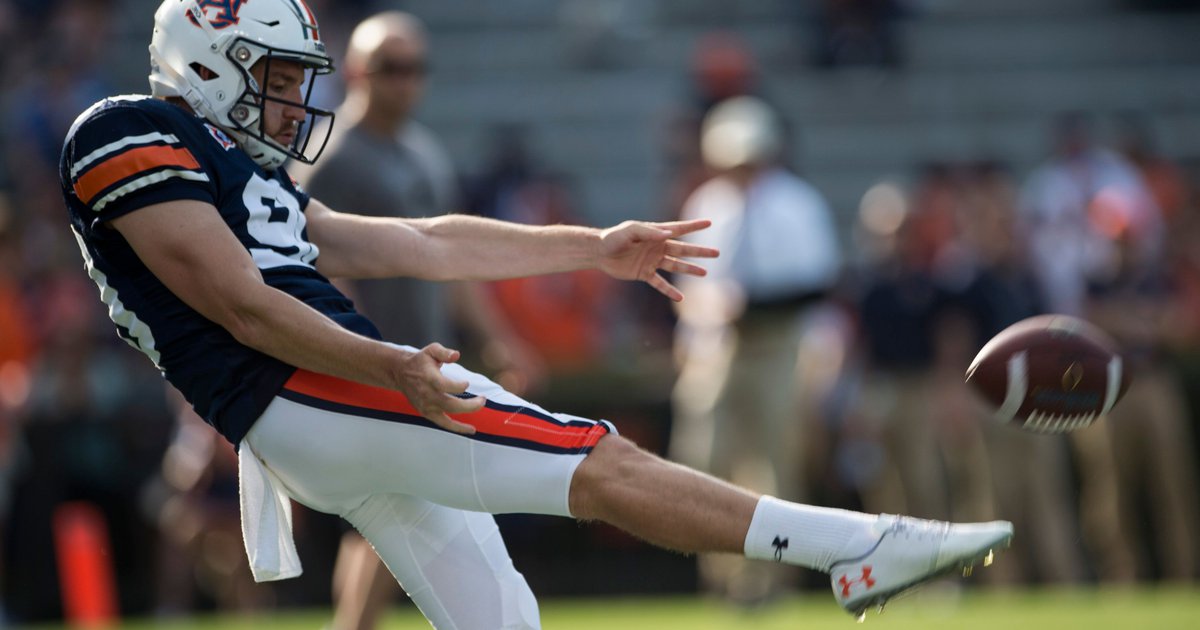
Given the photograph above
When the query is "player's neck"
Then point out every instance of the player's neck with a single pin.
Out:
(178, 102)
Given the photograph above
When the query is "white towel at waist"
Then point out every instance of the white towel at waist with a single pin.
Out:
(266, 520)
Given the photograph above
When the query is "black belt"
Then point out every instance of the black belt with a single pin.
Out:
(787, 303)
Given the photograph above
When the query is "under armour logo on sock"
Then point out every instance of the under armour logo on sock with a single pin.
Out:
(866, 580)
(779, 544)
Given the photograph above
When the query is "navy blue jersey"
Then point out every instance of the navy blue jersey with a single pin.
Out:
(129, 152)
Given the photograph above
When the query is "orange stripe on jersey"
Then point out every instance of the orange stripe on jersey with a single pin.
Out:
(514, 425)
(131, 162)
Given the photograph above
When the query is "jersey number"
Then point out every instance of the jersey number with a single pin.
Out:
(277, 224)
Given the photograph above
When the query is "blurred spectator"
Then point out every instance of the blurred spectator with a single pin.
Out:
(1150, 305)
(338, 18)
(1072, 211)
(958, 415)
(16, 340)
(602, 33)
(898, 302)
(509, 166)
(1001, 290)
(47, 96)
(1166, 182)
(381, 162)
(16, 357)
(195, 505)
(858, 33)
(722, 67)
(958, 209)
(1156, 465)
(562, 317)
(741, 404)
(1072, 206)
(93, 434)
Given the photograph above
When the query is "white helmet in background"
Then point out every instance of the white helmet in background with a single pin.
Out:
(202, 52)
(741, 131)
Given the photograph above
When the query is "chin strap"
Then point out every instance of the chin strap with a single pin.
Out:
(178, 85)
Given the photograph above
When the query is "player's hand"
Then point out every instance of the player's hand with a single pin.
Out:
(636, 250)
(433, 393)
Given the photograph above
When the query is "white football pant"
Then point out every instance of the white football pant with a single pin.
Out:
(424, 496)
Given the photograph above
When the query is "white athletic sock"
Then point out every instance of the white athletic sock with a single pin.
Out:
(806, 535)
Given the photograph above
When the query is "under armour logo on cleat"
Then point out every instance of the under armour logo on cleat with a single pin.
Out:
(779, 544)
(866, 580)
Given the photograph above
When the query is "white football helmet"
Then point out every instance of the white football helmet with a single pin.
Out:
(226, 38)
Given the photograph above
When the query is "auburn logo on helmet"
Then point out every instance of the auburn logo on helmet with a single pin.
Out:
(219, 13)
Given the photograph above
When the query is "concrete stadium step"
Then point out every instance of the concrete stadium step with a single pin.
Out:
(549, 98)
(618, 147)
(868, 96)
(519, 51)
(490, 14)
(1036, 8)
(1075, 41)
(813, 96)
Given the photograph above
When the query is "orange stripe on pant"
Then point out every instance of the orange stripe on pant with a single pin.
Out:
(520, 424)
(131, 162)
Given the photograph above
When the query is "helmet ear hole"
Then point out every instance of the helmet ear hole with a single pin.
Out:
(204, 72)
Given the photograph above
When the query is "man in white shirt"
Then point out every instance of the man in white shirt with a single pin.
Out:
(739, 411)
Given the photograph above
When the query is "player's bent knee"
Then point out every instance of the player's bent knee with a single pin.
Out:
(615, 461)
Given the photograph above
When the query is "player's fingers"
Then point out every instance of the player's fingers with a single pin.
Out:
(674, 265)
(680, 249)
(647, 232)
(666, 288)
(679, 228)
(447, 385)
(441, 353)
(456, 405)
(450, 424)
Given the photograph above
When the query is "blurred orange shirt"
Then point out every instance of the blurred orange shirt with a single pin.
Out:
(559, 315)
(16, 338)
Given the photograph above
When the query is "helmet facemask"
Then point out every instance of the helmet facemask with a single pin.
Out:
(248, 113)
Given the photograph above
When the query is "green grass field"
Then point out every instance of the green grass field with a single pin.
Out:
(1143, 609)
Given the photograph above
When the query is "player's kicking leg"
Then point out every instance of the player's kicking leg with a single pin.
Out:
(870, 558)
(334, 443)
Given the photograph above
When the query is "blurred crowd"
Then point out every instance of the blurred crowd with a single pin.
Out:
(822, 361)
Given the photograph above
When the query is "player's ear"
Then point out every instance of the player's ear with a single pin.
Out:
(204, 72)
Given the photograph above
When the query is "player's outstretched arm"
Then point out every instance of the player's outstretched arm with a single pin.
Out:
(462, 247)
(192, 252)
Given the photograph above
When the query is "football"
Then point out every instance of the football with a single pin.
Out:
(1050, 374)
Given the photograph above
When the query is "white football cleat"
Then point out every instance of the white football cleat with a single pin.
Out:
(909, 552)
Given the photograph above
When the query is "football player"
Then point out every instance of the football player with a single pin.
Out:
(215, 265)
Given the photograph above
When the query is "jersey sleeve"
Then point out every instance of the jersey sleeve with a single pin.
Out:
(123, 159)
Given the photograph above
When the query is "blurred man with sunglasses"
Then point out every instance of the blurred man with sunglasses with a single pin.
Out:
(382, 162)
